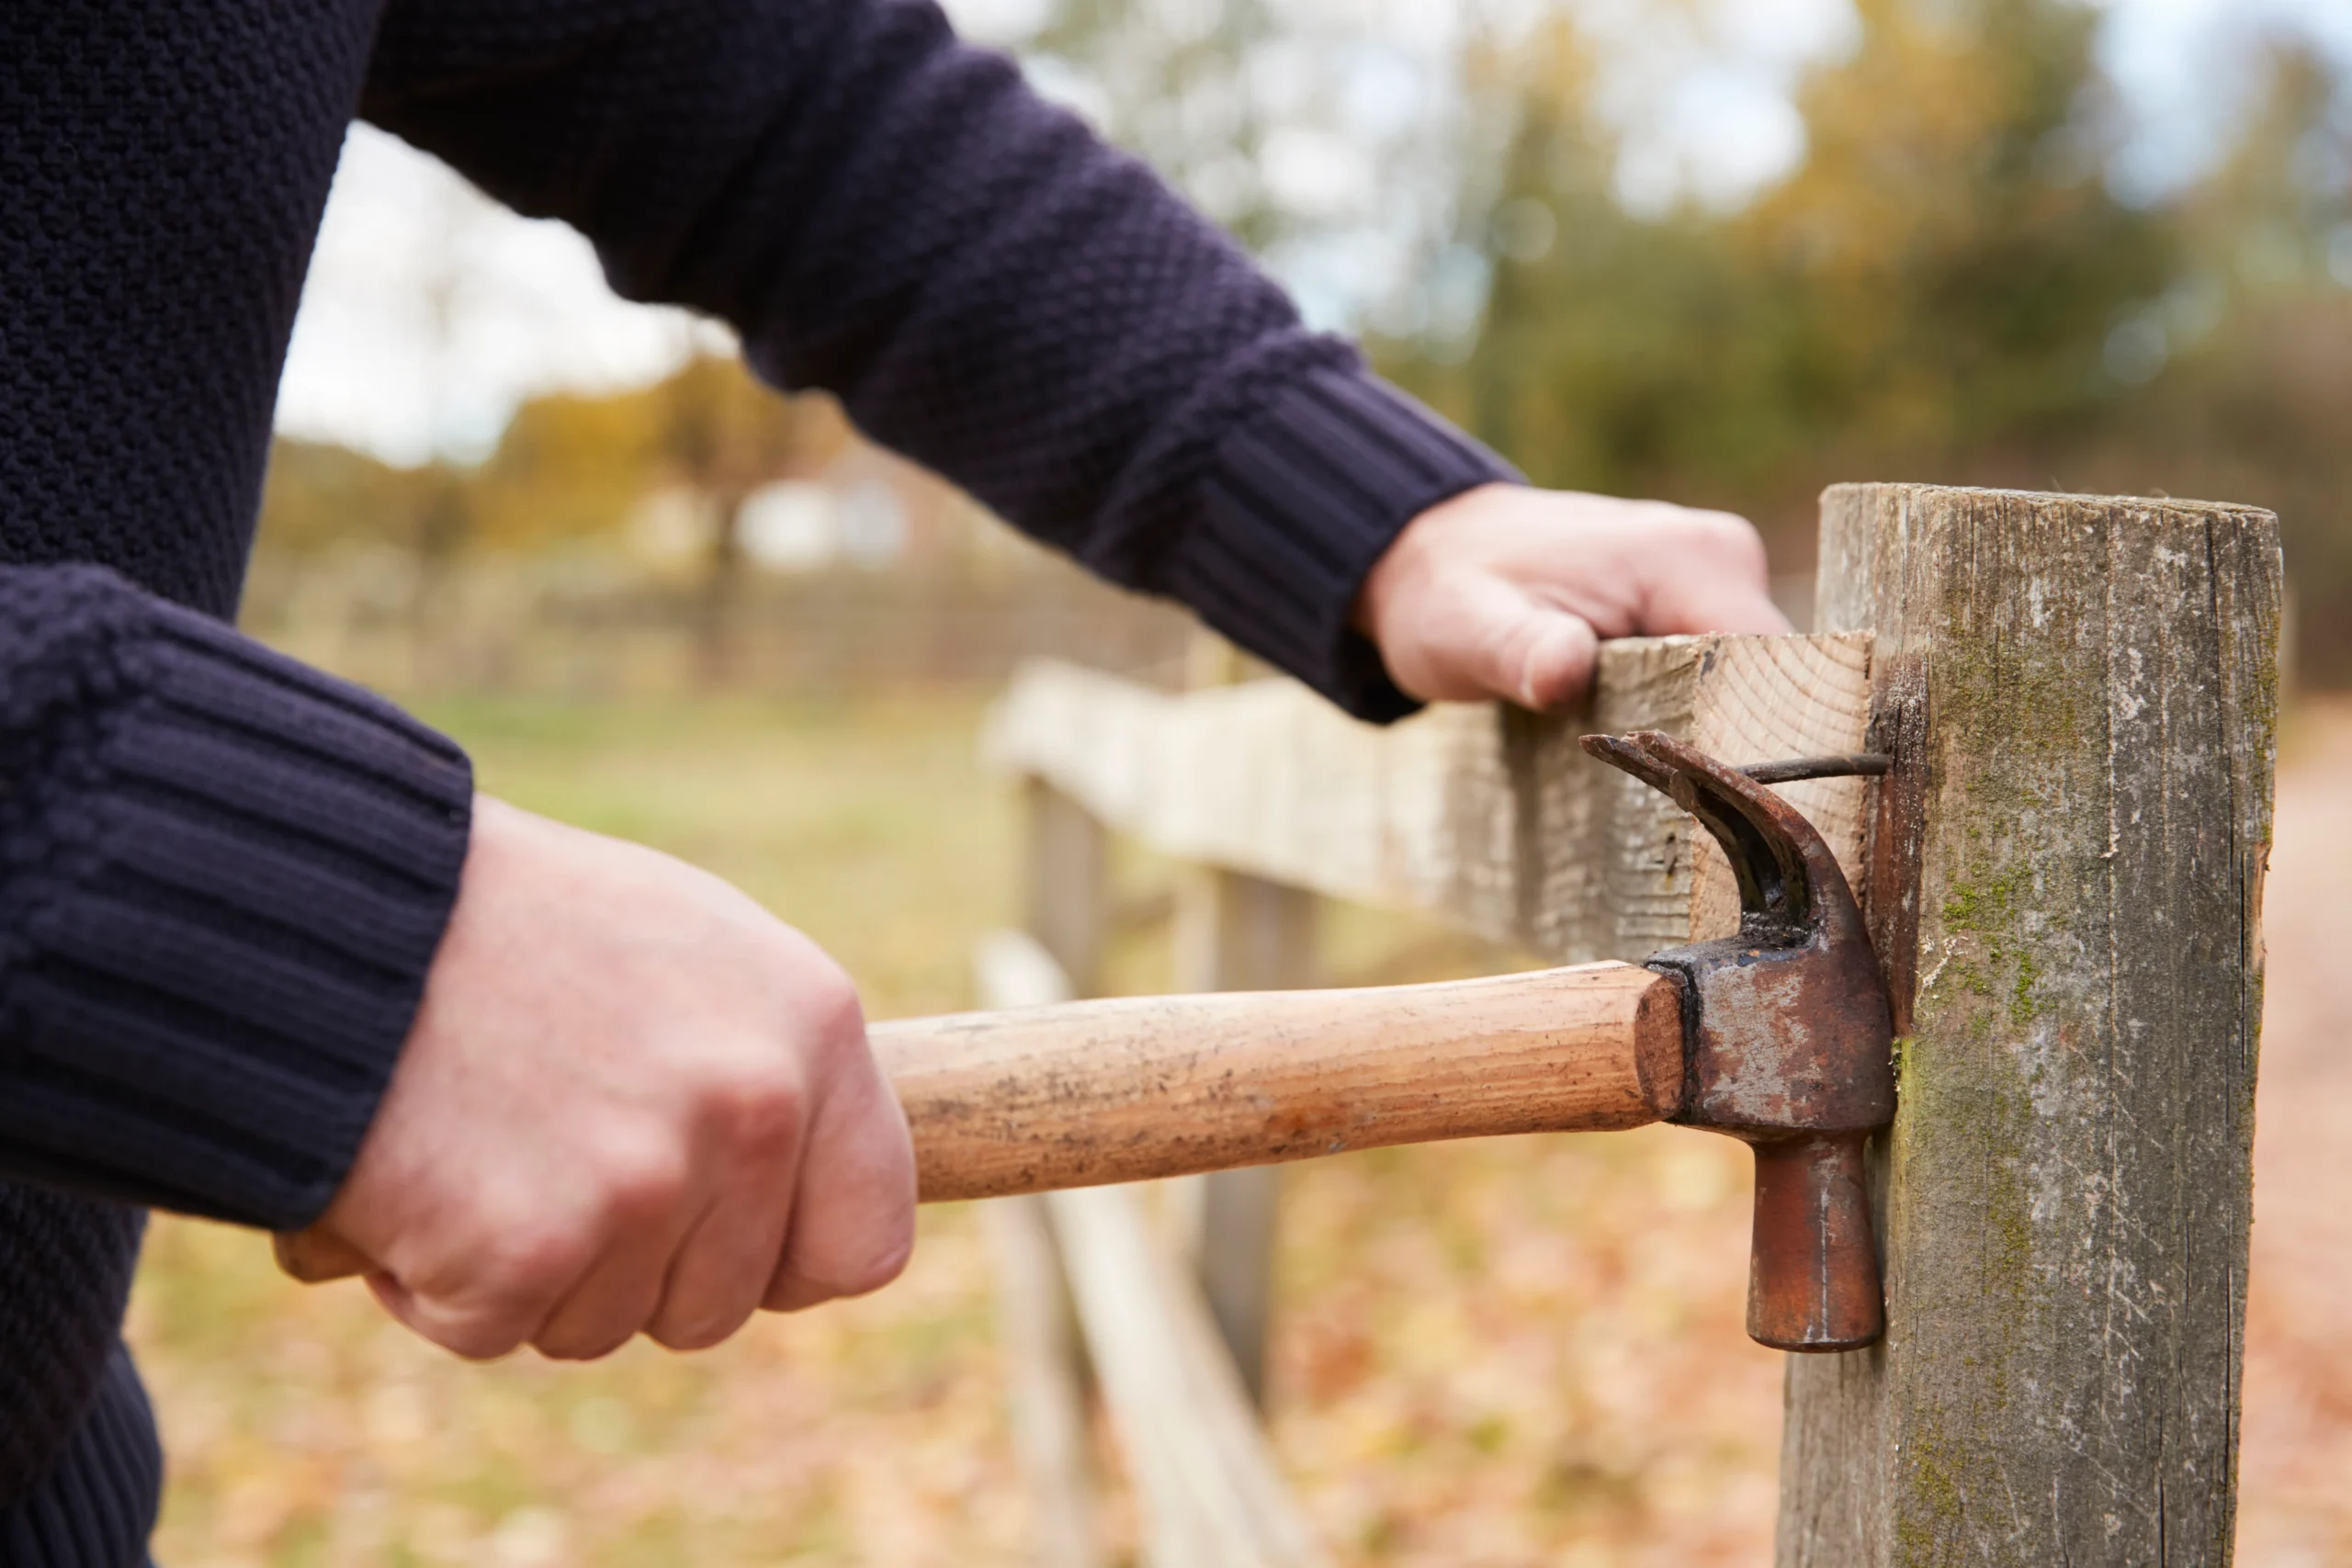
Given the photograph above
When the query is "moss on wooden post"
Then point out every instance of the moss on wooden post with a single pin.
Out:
(2066, 888)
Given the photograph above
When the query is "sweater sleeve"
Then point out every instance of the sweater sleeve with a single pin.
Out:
(223, 879)
(887, 213)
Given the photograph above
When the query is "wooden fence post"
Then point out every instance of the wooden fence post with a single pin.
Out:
(1239, 932)
(1065, 868)
(1065, 852)
(1235, 932)
(2065, 887)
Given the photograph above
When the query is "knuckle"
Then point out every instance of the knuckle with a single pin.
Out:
(765, 1113)
(753, 1105)
(533, 1263)
(643, 1180)
(882, 1257)
(879, 1268)
(1730, 535)
(834, 1017)
(487, 1343)
(477, 1333)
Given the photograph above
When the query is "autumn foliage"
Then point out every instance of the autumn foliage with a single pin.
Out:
(1948, 285)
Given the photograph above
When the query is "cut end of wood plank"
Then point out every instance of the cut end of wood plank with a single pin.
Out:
(1775, 697)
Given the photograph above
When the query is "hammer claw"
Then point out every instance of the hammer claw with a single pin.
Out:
(1781, 862)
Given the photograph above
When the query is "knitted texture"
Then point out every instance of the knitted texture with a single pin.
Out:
(225, 875)
(163, 167)
(96, 1502)
(890, 215)
(66, 1262)
(222, 877)
(1305, 495)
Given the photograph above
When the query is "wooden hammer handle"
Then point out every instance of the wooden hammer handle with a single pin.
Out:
(1032, 1099)
(1076, 1094)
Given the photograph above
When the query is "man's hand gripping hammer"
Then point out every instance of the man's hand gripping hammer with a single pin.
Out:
(1778, 1036)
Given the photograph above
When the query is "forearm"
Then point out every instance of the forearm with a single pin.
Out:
(887, 213)
(222, 877)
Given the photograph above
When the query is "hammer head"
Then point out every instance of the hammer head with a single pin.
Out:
(1788, 1046)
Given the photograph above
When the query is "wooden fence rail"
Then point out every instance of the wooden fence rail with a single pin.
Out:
(2063, 875)
(1487, 816)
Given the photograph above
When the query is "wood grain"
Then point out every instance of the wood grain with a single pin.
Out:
(2080, 696)
(1485, 814)
(1130, 1088)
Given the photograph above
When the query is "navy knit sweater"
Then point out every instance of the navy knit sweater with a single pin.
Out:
(223, 875)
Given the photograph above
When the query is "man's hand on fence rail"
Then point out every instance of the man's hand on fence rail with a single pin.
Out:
(1505, 591)
(632, 1101)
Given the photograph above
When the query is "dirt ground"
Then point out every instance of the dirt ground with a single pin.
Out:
(1498, 1354)
(2295, 1469)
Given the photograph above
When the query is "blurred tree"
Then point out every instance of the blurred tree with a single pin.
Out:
(1959, 257)
(722, 435)
(1945, 288)
(2270, 223)
(1608, 345)
(320, 497)
(569, 466)
(1173, 80)
(1942, 271)
(2247, 359)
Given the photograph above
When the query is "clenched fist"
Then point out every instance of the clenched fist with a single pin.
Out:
(632, 1101)
(1506, 592)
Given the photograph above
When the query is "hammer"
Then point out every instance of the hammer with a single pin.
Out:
(1778, 1036)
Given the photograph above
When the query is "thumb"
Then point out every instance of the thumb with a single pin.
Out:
(1470, 635)
(1541, 657)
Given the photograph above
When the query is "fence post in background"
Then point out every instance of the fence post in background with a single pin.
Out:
(1065, 875)
(2065, 889)
(1207, 1488)
(1237, 932)
(1063, 891)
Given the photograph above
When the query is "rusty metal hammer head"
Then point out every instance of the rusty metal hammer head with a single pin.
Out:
(1788, 1046)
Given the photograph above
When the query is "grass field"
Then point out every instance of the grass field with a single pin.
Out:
(1502, 1353)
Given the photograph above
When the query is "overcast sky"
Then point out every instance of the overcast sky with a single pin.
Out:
(430, 312)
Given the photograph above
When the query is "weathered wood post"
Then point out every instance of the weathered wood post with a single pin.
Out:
(1065, 871)
(1239, 932)
(1236, 932)
(2066, 888)
(1065, 853)
(1086, 1279)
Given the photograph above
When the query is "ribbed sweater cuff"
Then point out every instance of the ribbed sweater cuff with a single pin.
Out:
(1300, 502)
(216, 968)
